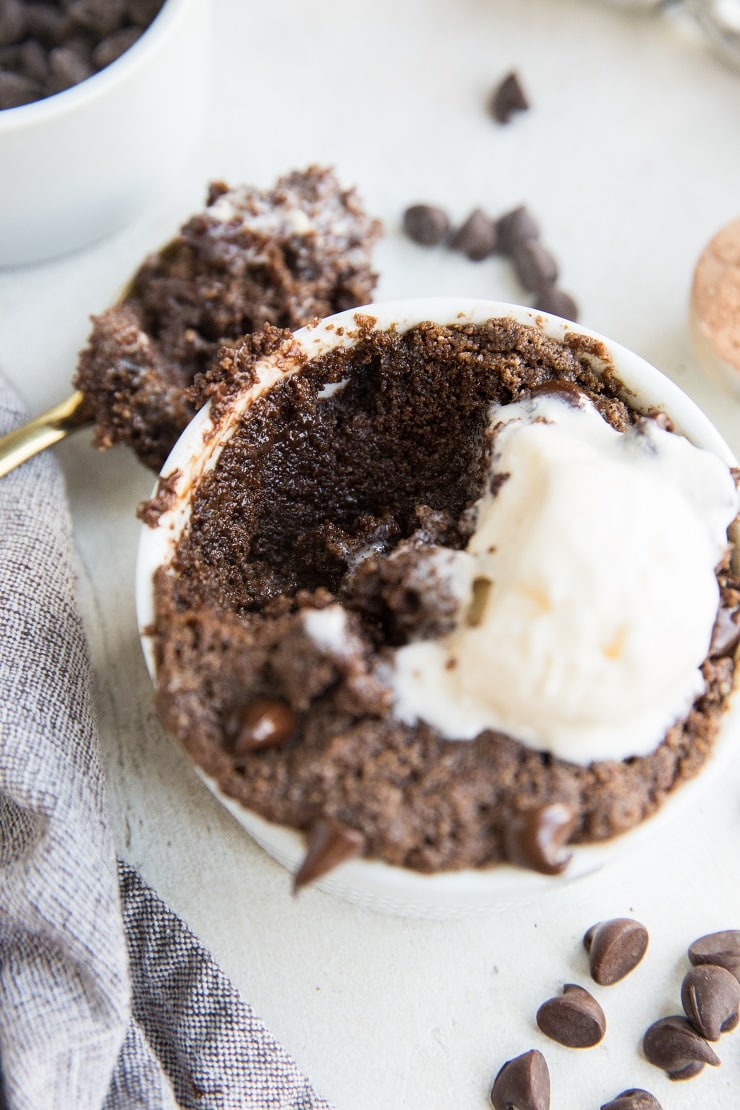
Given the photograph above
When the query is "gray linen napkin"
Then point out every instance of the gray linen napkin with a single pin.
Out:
(106, 998)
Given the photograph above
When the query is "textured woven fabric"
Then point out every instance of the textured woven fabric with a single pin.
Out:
(106, 998)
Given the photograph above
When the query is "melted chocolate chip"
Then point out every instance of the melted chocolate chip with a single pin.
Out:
(330, 842)
(722, 948)
(633, 1099)
(615, 948)
(573, 1018)
(673, 1044)
(522, 1084)
(536, 838)
(508, 97)
(560, 387)
(710, 995)
(263, 723)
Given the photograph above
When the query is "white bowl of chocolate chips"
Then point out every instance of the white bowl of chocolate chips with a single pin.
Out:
(438, 597)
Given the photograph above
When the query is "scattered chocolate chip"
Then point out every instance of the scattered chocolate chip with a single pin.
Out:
(615, 948)
(522, 1083)
(633, 1099)
(673, 1044)
(537, 837)
(514, 227)
(426, 224)
(535, 267)
(508, 97)
(573, 1018)
(330, 842)
(557, 302)
(263, 723)
(722, 948)
(710, 995)
(477, 236)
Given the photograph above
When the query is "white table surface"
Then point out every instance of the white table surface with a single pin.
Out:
(630, 158)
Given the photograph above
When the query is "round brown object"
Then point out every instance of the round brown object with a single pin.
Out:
(715, 306)
(615, 948)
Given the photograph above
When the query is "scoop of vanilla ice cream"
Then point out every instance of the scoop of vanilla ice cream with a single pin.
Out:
(593, 590)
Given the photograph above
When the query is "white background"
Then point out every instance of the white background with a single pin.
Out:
(630, 159)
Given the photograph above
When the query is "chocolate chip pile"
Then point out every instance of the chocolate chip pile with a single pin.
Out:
(678, 1044)
(46, 48)
(515, 234)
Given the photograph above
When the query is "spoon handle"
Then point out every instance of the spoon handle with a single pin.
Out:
(42, 432)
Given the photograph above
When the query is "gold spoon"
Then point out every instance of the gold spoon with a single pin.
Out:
(43, 431)
(47, 429)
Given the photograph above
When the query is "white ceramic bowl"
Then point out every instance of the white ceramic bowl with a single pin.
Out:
(79, 165)
(373, 884)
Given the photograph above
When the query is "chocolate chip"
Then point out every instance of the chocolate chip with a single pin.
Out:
(508, 97)
(514, 227)
(12, 22)
(673, 1044)
(46, 22)
(330, 842)
(263, 723)
(726, 632)
(142, 11)
(426, 224)
(535, 267)
(477, 236)
(615, 948)
(722, 948)
(99, 17)
(67, 68)
(16, 90)
(536, 838)
(522, 1083)
(710, 995)
(557, 302)
(633, 1099)
(113, 46)
(573, 1018)
(33, 61)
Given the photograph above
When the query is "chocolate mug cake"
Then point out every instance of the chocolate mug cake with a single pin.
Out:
(447, 595)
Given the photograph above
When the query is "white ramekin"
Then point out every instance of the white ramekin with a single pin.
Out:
(78, 165)
(370, 883)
